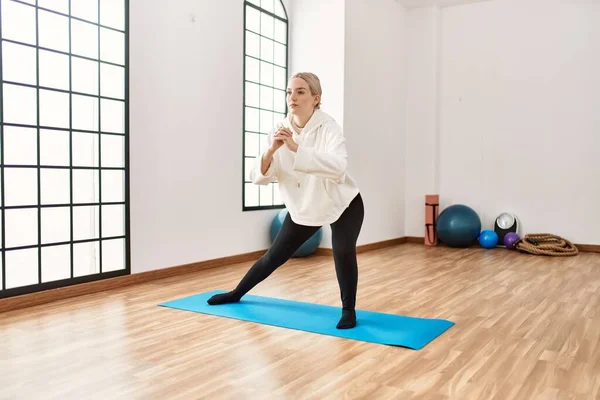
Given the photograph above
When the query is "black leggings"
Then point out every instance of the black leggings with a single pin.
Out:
(344, 234)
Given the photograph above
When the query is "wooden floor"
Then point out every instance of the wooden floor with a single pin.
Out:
(527, 327)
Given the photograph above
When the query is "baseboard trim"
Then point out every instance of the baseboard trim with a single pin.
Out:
(324, 251)
(584, 248)
(49, 296)
(588, 248)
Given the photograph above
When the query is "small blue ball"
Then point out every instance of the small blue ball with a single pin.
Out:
(488, 239)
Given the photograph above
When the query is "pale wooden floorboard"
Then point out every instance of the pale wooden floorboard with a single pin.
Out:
(527, 327)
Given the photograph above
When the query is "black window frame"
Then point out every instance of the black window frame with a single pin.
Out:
(42, 286)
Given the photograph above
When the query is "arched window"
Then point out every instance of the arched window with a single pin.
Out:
(265, 80)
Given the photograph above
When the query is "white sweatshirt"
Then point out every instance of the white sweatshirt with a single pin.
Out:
(313, 182)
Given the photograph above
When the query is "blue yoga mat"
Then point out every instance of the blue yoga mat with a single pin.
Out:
(374, 327)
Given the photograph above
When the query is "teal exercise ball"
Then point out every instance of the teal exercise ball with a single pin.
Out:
(458, 226)
(308, 247)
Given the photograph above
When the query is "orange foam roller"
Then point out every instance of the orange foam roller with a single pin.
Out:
(432, 202)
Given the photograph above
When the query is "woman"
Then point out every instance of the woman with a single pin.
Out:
(308, 159)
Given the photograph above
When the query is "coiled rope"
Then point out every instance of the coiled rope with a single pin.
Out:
(546, 244)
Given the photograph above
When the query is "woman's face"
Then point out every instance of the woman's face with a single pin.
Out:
(299, 99)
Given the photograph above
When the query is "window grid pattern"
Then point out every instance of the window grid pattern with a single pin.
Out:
(64, 173)
(265, 80)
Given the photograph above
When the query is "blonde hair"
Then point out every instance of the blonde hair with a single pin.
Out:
(314, 84)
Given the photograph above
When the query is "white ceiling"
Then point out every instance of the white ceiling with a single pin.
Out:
(440, 3)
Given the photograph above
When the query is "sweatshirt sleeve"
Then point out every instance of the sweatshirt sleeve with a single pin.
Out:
(270, 175)
(329, 164)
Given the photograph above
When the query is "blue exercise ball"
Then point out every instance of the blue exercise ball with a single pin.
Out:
(308, 247)
(458, 226)
(488, 239)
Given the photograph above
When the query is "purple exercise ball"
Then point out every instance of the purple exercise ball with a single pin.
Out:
(510, 240)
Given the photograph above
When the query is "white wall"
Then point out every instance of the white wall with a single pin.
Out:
(422, 107)
(186, 104)
(186, 115)
(317, 45)
(518, 114)
(535, 76)
(414, 4)
(374, 112)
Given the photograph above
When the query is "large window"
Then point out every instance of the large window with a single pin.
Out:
(265, 80)
(64, 143)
